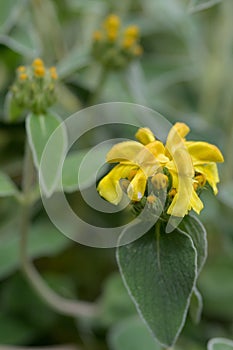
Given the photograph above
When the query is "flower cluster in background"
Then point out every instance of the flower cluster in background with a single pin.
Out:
(115, 46)
(34, 87)
(180, 169)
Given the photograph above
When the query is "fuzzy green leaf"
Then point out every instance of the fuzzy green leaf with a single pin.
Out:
(194, 228)
(39, 130)
(160, 276)
(220, 344)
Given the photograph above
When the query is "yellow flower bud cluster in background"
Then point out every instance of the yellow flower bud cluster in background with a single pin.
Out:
(115, 46)
(34, 86)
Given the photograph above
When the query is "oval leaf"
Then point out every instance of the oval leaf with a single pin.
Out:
(220, 344)
(160, 276)
(39, 130)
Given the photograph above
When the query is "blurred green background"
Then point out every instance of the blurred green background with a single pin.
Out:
(185, 74)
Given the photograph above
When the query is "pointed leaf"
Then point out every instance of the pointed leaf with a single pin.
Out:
(7, 187)
(194, 228)
(73, 179)
(160, 277)
(39, 130)
(201, 5)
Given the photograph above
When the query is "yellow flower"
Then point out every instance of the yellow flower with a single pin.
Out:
(39, 71)
(128, 42)
(112, 34)
(53, 73)
(112, 22)
(132, 32)
(21, 69)
(188, 162)
(37, 62)
(23, 76)
(136, 163)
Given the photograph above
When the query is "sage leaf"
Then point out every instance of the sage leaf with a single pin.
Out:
(160, 274)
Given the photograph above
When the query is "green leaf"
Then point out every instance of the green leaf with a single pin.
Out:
(44, 240)
(77, 59)
(8, 13)
(220, 344)
(132, 334)
(200, 5)
(160, 276)
(114, 304)
(73, 179)
(14, 330)
(7, 187)
(12, 111)
(194, 228)
(196, 305)
(39, 130)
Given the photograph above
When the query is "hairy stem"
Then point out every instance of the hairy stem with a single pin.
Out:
(58, 303)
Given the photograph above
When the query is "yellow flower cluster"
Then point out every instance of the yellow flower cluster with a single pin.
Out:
(180, 168)
(115, 46)
(38, 70)
(34, 87)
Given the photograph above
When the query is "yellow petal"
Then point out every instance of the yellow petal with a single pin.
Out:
(182, 172)
(145, 136)
(195, 202)
(124, 151)
(151, 158)
(109, 187)
(211, 172)
(158, 150)
(203, 152)
(137, 186)
(175, 138)
(182, 129)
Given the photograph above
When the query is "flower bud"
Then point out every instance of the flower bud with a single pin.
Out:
(159, 181)
(33, 89)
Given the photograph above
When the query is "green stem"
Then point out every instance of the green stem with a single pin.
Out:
(60, 304)
(94, 97)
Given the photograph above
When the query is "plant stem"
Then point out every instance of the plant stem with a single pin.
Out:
(60, 304)
(99, 87)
